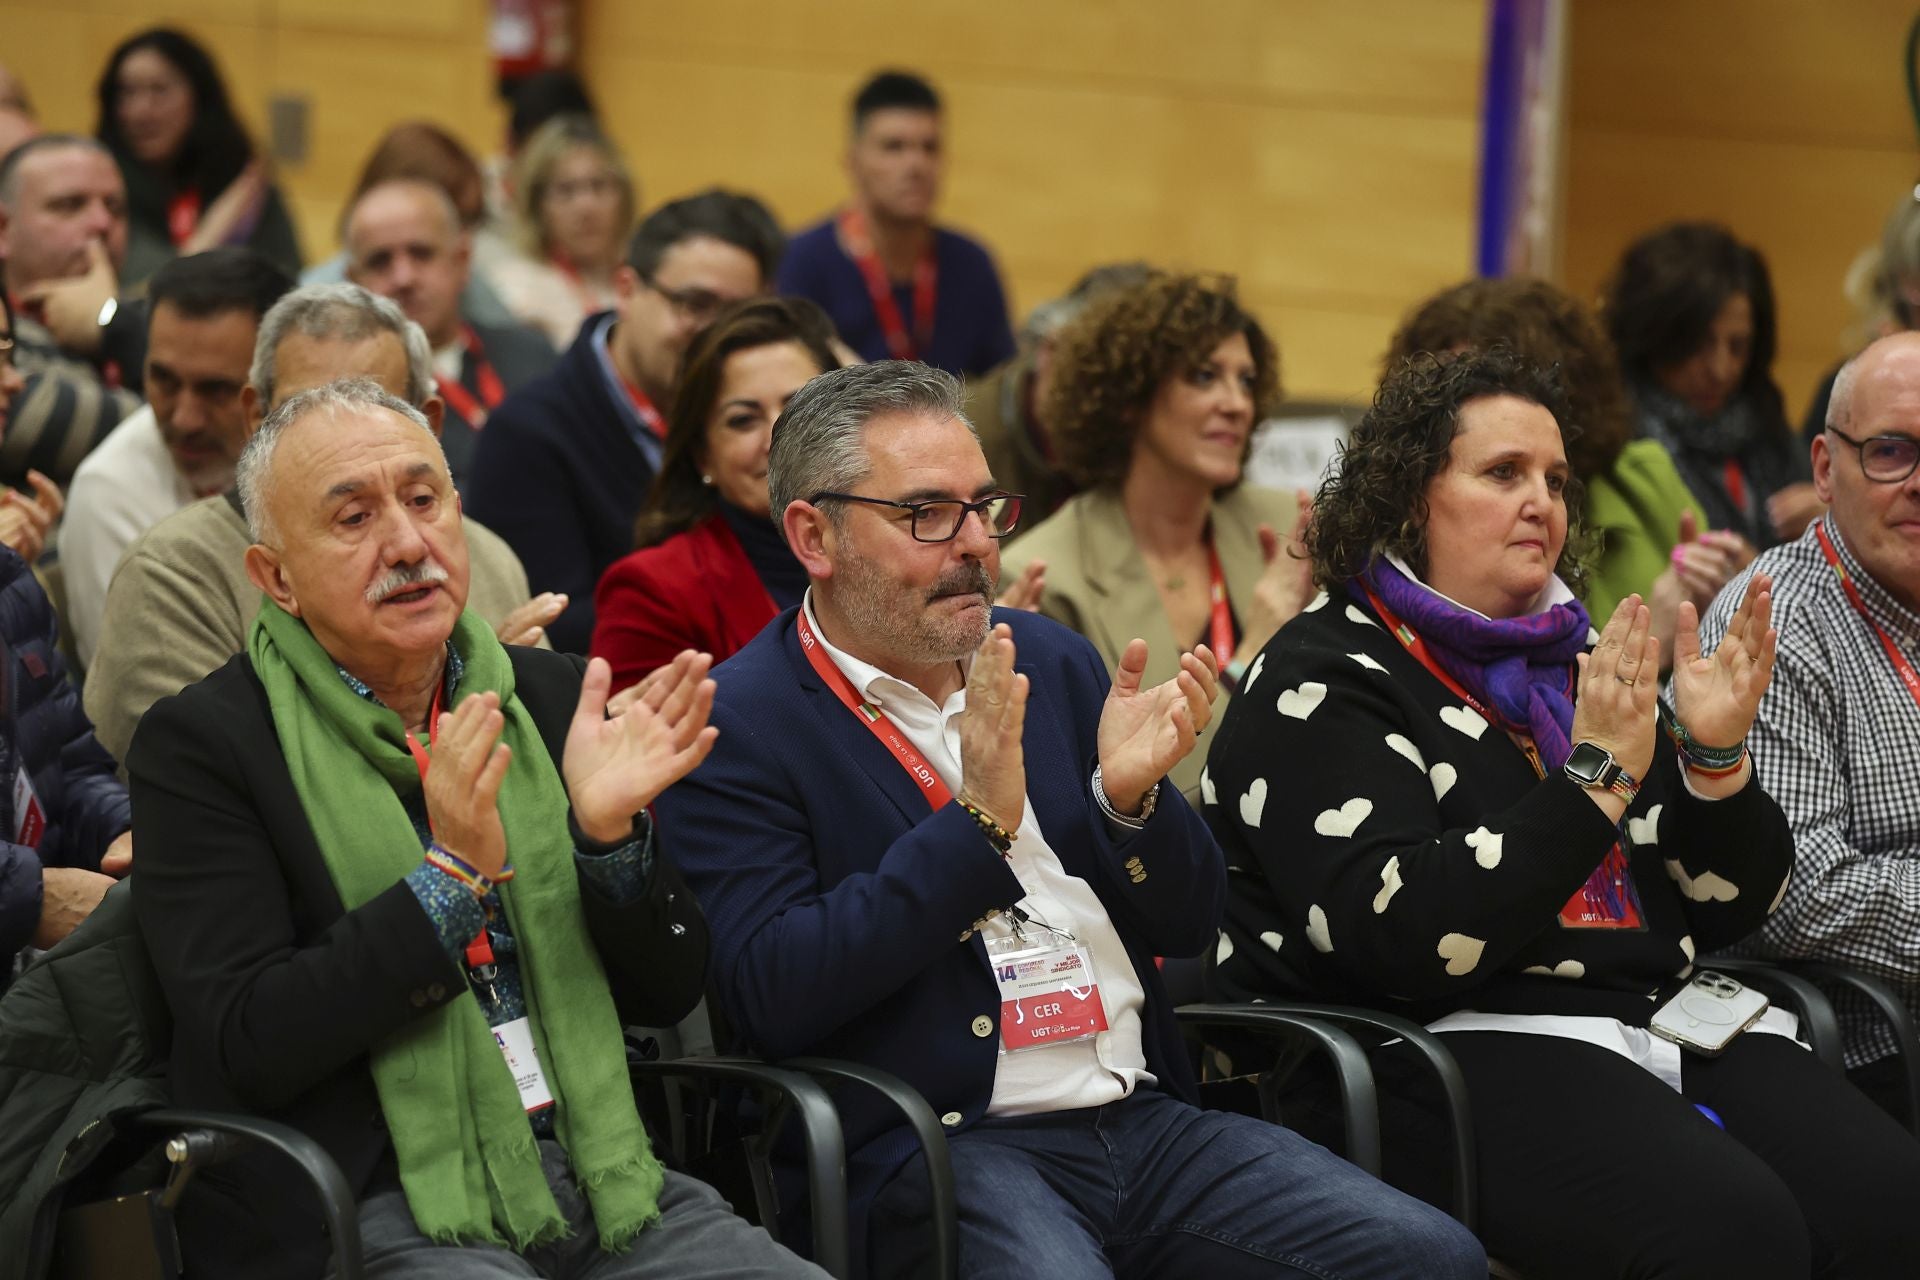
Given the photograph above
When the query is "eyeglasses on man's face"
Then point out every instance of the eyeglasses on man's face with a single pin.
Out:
(941, 519)
(1884, 459)
(692, 303)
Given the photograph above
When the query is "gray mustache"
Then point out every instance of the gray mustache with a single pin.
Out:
(970, 577)
(401, 577)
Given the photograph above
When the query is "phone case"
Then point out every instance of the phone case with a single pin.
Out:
(1707, 1013)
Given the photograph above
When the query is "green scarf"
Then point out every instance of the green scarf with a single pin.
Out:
(468, 1158)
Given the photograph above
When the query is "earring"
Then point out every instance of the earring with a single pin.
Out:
(706, 479)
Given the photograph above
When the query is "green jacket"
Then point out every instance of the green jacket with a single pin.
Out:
(69, 1066)
(1633, 515)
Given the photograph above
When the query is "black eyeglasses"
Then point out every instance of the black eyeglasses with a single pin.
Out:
(696, 304)
(6, 351)
(941, 519)
(1885, 459)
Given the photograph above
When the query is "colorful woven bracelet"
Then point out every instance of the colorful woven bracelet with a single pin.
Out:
(1714, 772)
(460, 869)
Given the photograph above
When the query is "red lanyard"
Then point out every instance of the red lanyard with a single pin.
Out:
(183, 215)
(459, 399)
(643, 405)
(1736, 485)
(875, 719)
(1414, 645)
(1901, 666)
(1220, 631)
(926, 289)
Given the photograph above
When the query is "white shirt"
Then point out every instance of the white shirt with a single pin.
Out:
(124, 487)
(1055, 1077)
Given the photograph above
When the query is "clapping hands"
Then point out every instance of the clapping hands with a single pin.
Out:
(615, 767)
(1145, 732)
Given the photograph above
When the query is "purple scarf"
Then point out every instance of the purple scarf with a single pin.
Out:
(1521, 667)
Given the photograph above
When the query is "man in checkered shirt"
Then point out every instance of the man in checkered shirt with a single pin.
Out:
(1837, 740)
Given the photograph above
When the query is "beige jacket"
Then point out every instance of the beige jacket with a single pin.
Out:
(180, 605)
(1098, 584)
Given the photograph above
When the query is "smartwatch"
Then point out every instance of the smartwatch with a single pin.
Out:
(1593, 767)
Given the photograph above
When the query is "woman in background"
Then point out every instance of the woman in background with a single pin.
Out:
(712, 567)
(1690, 311)
(574, 203)
(1156, 391)
(194, 181)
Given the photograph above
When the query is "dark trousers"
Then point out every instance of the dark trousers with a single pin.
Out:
(1591, 1167)
(1152, 1187)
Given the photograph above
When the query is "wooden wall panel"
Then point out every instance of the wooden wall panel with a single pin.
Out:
(1322, 151)
(1786, 121)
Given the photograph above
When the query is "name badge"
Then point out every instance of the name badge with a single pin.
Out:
(29, 819)
(516, 1046)
(1048, 994)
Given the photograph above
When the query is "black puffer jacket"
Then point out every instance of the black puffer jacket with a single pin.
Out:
(44, 729)
(83, 1039)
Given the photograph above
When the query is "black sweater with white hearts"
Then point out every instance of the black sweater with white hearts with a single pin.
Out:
(1386, 846)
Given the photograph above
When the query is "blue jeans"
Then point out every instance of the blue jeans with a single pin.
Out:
(1152, 1187)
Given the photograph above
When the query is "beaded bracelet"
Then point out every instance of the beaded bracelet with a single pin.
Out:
(998, 836)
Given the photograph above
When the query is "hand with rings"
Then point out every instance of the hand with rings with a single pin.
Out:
(1614, 698)
(993, 762)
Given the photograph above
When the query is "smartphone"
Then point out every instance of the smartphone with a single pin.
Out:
(1708, 1013)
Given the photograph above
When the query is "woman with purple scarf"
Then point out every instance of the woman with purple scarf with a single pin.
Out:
(1443, 793)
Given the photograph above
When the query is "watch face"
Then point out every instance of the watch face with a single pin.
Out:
(1588, 763)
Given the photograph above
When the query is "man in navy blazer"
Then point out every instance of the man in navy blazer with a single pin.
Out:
(935, 840)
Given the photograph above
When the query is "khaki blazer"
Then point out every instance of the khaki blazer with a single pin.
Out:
(1098, 584)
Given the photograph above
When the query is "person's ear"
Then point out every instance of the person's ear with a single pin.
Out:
(253, 407)
(463, 253)
(435, 410)
(811, 536)
(265, 571)
(1823, 468)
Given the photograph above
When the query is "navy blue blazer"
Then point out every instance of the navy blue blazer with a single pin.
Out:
(836, 898)
(558, 475)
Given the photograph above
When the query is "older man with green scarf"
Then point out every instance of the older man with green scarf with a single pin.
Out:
(402, 890)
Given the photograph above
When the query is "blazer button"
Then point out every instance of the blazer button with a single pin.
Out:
(418, 998)
(436, 993)
(950, 1119)
(983, 1026)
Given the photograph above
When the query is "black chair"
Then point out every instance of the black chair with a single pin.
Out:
(1868, 992)
(131, 1234)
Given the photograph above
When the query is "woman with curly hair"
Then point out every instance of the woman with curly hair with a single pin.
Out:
(712, 568)
(1644, 528)
(1156, 391)
(1690, 311)
(194, 180)
(1450, 800)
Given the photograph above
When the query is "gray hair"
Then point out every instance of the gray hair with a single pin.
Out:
(11, 162)
(1052, 316)
(819, 442)
(255, 468)
(343, 313)
(1840, 400)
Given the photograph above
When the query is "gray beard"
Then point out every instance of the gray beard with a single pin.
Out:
(879, 608)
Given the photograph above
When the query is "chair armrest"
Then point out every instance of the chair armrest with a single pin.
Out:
(1360, 1104)
(1890, 1006)
(1806, 999)
(1466, 1166)
(933, 1145)
(819, 1126)
(208, 1137)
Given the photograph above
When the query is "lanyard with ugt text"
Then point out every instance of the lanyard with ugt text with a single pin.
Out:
(875, 719)
(1902, 667)
(480, 948)
(901, 345)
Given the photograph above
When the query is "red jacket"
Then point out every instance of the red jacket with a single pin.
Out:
(696, 590)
